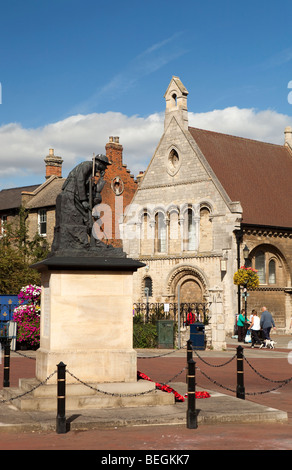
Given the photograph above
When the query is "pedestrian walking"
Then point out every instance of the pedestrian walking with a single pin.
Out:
(255, 329)
(240, 326)
(267, 322)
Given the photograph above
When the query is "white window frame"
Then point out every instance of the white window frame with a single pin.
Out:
(3, 222)
(42, 220)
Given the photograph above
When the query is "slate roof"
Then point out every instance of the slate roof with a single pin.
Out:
(11, 198)
(45, 195)
(257, 174)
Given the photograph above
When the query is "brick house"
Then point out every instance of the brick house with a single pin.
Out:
(10, 202)
(117, 193)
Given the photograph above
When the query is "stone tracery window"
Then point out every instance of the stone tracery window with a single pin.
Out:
(173, 162)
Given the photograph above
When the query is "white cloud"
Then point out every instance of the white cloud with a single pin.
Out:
(267, 126)
(22, 151)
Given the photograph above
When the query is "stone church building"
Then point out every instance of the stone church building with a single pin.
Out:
(204, 197)
(204, 200)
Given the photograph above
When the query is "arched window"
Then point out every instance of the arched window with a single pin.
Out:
(160, 233)
(260, 265)
(145, 238)
(190, 231)
(148, 285)
(173, 235)
(145, 226)
(206, 240)
(270, 265)
(272, 272)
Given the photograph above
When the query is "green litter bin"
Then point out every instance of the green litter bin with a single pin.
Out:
(165, 334)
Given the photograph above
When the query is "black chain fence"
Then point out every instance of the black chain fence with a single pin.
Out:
(281, 383)
(239, 356)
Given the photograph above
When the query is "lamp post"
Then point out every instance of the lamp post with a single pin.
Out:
(245, 255)
(178, 316)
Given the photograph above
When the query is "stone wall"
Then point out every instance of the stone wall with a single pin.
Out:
(275, 293)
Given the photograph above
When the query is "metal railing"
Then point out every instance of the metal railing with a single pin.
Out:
(153, 311)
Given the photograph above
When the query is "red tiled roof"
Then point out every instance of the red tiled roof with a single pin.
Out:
(257, 174)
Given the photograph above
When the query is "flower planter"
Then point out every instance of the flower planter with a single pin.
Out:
(246, 277)
(27, 317)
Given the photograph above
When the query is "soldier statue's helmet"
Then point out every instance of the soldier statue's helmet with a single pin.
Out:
(103, 159)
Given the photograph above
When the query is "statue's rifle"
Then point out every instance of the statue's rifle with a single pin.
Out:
(91, 183)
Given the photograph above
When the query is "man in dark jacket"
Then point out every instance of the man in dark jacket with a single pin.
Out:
(267, 322)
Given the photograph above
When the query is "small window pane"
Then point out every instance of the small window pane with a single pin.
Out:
(3, 224)
(43, 222)
(272, 272)
(191, 231)
(148, 285)
(260, 266)
(160, 233)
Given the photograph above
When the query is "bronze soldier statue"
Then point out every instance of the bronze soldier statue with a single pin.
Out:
(80, 193)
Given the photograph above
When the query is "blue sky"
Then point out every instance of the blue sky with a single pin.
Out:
(74, 72)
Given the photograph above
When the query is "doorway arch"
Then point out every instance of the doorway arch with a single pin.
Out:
(192, 283)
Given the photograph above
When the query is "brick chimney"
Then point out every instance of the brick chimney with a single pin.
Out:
(114, 151)
(53, 165)
(288, 136)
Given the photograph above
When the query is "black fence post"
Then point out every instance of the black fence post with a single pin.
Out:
(61, 425)
(191, 411)
(240, 390)
(6, 372)
(189, 355)
(189, 350)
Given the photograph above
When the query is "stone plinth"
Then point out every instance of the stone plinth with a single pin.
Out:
(86, 319)
(86, 323)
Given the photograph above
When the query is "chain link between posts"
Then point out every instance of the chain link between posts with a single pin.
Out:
(281, 383)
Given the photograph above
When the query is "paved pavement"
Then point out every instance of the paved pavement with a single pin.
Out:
(225, 413)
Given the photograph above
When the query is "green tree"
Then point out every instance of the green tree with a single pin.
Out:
(17, 253)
